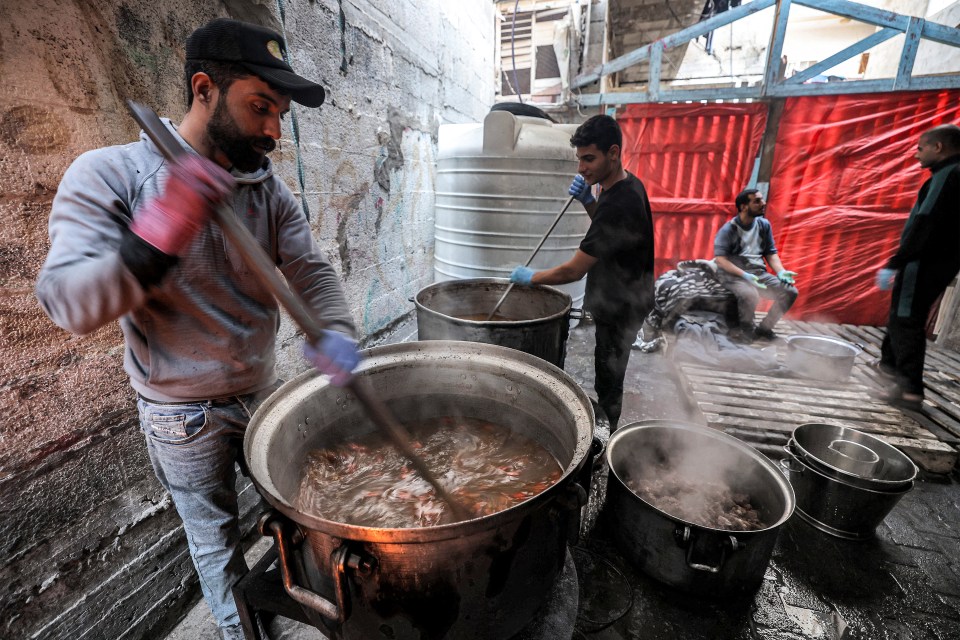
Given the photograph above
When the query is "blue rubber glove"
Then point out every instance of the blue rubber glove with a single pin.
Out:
(522, 275)
(885, 278)
(335, 355)
(580, 190)
(754, 280)
(787, 277)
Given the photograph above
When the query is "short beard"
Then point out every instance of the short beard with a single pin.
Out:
(223, 132)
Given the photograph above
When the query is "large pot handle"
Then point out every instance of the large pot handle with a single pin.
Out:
(270, 525)
(585, 476)
(790, 462)
(577, 314)
(685, 541)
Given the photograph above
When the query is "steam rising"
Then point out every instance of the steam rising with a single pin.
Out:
(655, 453)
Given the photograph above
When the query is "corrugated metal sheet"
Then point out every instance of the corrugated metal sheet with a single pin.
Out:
(843, 183)
(693, 159)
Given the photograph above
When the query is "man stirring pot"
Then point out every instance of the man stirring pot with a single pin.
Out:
(131, 240)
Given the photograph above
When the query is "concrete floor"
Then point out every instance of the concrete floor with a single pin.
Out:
(903, 585)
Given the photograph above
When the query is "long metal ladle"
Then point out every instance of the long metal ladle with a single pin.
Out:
(266, 272)
(533, 255)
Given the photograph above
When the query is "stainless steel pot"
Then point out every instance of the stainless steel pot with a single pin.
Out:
(837, 507)
(539, 317)
(686, 555)
(480, 579)
(821, 357)
(853, 457)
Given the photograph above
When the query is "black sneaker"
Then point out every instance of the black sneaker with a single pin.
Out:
(882, 368)
(898, 398)
(742, 336)
(764, 334)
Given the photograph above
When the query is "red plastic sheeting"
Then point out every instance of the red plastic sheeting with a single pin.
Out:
(844, 180)
(693, 159)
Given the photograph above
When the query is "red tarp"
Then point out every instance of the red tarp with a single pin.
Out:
(844, 180)
(693, 159)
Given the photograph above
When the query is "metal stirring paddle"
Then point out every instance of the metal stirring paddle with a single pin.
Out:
(533, 255)
(261, 265)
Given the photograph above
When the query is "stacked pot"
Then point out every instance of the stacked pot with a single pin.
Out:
(845, 481)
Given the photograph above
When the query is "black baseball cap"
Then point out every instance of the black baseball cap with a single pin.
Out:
(258, 49)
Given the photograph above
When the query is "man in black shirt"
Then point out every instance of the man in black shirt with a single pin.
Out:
(926, 261)
(616, 254)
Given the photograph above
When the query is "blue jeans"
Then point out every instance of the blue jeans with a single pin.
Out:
(194, 448)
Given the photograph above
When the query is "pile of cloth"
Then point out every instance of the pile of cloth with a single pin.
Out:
(691, 304)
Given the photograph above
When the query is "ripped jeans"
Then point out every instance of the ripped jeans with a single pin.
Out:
(194, 448)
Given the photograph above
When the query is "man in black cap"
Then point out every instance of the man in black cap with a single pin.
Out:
(131, 240)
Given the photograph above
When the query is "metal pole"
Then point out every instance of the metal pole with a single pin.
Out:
(532, 255)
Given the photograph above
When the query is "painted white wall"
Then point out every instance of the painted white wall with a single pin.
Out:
(932, 57)
(812, 35)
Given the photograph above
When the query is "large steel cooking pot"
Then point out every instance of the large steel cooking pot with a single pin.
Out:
(479, 579)
(683, 554)
(852, 456)
(837, 507)
(821, 357)
(537, 318)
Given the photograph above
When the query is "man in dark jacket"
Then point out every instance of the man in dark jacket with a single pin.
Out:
(925, 263)
(616, 255)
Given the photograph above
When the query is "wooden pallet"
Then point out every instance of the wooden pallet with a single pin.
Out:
(765, 409)
(941, 407)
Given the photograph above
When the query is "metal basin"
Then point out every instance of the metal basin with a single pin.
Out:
(853, 457)
(691, 557)
(821, 357)
(481, 579)
(537, 319)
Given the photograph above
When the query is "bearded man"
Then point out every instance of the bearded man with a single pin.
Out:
(743, 248)
(131, 240)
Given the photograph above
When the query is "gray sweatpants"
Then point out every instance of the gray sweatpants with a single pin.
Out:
(748, 297)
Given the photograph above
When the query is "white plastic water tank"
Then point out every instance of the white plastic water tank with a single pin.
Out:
(499, 186)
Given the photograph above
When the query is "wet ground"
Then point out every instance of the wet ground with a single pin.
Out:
(902, 585)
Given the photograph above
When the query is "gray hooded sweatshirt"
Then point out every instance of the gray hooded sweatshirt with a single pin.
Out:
(208, 328)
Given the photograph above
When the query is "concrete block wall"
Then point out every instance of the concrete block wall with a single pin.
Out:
(91, 546)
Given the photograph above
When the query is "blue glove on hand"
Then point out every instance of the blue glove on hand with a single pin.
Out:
(885, 278)
(787, 277)
(754, 280)
(522, 275)
(580, 190)
(335, 355)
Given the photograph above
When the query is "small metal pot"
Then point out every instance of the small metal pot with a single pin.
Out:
(821, 357)
(837, 507)
(683, 554)
(853, 457)
(539, 316)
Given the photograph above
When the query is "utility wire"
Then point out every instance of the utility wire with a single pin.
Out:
(513, 55)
